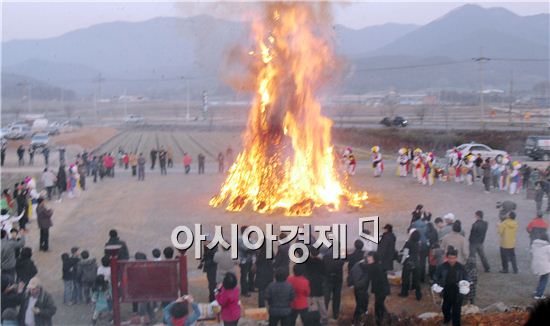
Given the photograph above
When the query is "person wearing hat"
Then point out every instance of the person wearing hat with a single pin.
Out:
(448, 281)
(507, 230)
(457, 241)
(38, 307)
(44, 219)
(377, 162)
(386, 248)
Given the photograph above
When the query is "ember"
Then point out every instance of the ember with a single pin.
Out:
(288, 161)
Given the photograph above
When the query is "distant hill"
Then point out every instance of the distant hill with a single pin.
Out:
(153, 56)
(463, 32)
(16, 87)
(352, 43)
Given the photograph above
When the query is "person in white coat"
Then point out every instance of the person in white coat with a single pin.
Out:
(377, 162)
(540, 264)
(402, 160)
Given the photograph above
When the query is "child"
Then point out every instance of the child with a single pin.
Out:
(101, 297)
(105, 269)
(77, 286)
(87, 272)
(471, 271)
(177, 313)
(68, 274)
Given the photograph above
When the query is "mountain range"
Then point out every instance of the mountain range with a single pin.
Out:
(155, 57)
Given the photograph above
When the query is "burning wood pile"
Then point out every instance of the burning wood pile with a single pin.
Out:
(288, 160)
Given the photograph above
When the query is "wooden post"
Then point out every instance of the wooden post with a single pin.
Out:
(183, 273)
(113, 251)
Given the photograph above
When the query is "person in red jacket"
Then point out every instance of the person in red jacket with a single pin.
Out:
(228, 298)
(300, 284)
(126, 160)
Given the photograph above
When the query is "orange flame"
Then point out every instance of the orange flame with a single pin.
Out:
(287, 161)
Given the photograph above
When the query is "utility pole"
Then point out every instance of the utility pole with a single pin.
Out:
(97, 94)
(29, 89)
(187, 117)
(125, 104)
(204, 105)
(481, 60)
(511, 97)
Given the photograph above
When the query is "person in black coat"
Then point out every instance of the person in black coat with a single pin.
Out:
(12, 294)
(209, 267)
(22, 206)
(279, 295)
(447, 276)
(356, 256)
(380, 286)
(315, 274)
(123, 253)
(359, 279)
(386, 248)
(477, 238)
(44, 309)
(410, 263)
(332, 285)
(264, 274)
(25, 267)
(61, 181)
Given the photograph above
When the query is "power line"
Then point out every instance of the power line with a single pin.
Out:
(448, 63)
(415, 66)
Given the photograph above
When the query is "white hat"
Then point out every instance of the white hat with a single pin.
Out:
(411, 231)
(449, 216)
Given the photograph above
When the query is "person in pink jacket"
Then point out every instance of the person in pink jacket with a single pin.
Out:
(228, 298)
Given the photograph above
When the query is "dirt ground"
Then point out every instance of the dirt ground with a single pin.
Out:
(145, 213)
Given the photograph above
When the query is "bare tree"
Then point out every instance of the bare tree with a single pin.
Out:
(445, 116)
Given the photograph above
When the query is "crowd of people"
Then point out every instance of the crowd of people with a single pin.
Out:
(437, 252)
(500, 173)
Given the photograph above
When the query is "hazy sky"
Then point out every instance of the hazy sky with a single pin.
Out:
(42, 19)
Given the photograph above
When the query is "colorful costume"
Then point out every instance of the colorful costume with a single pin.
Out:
(352, 163)
(514, 178)
(402, 161)
(468, 169)
(418, 165)
(429, 170)
(377, 162)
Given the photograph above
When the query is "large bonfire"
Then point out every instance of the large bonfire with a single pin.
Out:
(288, 160)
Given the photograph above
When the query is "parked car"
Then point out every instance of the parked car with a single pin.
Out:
(133, 119)
(476, 148)
(18, 131)
(398, 121)
(39, 140)
(538, 147)
(3, 132)
(51, 130)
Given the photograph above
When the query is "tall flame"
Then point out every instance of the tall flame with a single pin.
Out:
(288, 160)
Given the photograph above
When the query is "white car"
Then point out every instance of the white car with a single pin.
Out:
(133, 119)
(475, 148)
(18, 131)
(39, 140)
